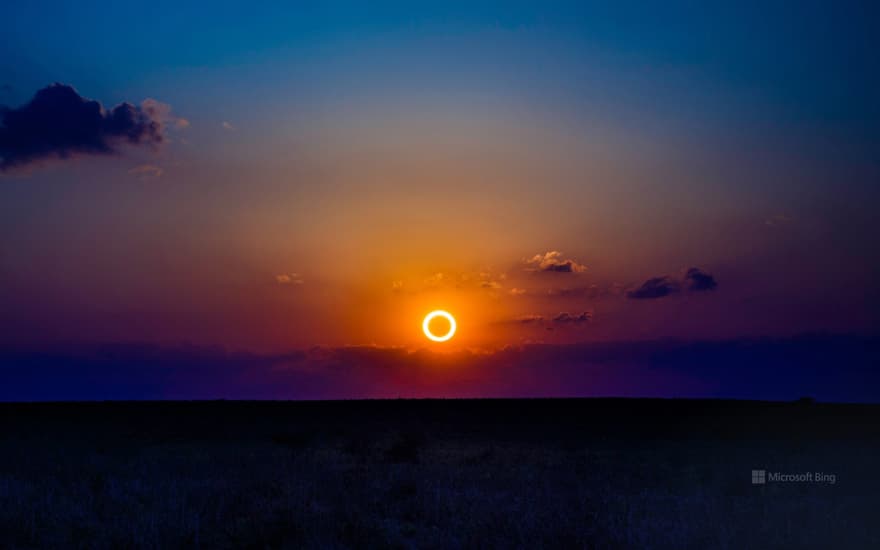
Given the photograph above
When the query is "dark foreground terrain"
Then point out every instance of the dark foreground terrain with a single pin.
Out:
(458, 474)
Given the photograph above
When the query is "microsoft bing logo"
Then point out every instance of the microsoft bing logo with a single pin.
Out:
(759, 477)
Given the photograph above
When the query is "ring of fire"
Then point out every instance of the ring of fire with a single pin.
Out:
(427, 329)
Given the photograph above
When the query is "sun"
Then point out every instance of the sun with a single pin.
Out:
(427, 328)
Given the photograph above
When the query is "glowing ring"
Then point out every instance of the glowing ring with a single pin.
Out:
(438, 313)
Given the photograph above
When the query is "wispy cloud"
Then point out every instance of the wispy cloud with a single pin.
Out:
(562, 318)
(778, 219)
(146, 171)
(528, 318)
(289, 279)
(567, 318)
(162, 112)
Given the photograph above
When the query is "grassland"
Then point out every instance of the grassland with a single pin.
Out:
(437, 474)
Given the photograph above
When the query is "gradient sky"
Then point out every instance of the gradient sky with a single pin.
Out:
(329, 172)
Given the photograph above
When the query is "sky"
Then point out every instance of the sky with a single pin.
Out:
(295, 186)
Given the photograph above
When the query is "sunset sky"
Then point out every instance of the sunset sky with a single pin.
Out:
(319, 176)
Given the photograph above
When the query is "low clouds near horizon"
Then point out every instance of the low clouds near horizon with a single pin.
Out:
(58, 123)
(826, 367)
(563, 318)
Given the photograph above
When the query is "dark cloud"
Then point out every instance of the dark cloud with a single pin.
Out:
(698, 280)
(563, 318)
(656, 287)
(694, 280)
(139, 371)
(827, 367)
(59, 123)
(563, 267)
(567, 318)
(528, 319)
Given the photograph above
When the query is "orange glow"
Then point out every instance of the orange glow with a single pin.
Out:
(426, 328)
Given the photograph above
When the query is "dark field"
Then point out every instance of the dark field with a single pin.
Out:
(431, 474)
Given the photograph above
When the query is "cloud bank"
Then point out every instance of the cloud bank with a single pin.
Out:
(827, 367)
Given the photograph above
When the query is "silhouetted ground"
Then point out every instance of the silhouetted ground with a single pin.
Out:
(438, 474)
